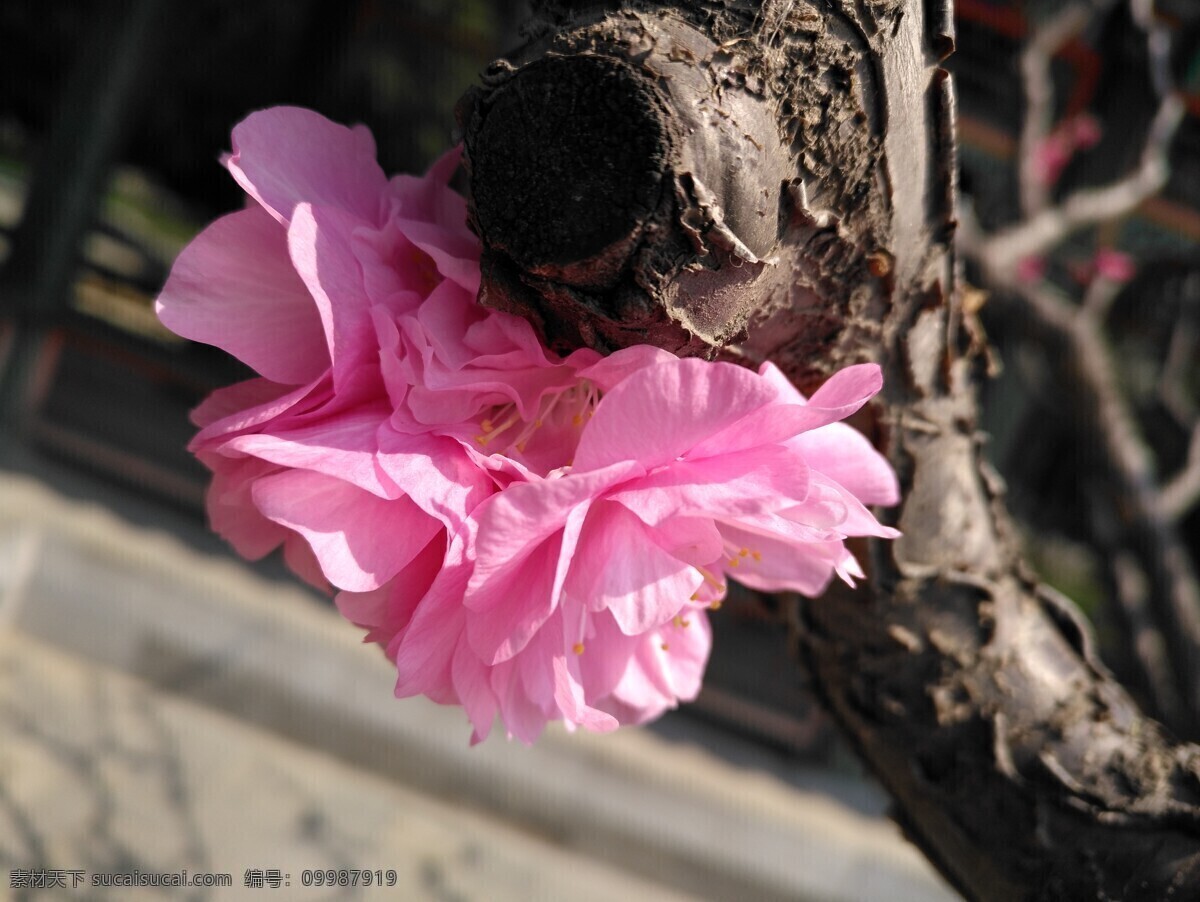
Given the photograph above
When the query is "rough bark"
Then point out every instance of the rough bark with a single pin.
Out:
(751, 179)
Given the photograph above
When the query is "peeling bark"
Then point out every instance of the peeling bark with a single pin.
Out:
(752, 180)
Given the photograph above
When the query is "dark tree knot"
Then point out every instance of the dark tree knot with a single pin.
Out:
(568, 167)
(626, 183)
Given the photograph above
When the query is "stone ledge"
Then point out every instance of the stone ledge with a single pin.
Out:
(103, 773)
(208, 630)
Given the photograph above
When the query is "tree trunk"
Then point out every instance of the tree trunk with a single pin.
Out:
(751, 180)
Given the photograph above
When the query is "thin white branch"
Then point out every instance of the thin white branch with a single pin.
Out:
(1181, 361)
(1037, 235)
(1179, 495)
(1039, 101)
(1099, 297)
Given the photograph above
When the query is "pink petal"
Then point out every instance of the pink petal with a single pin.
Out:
(852, 517)
(300, 560)
(845, 456)
(435, 472)
(848, 389)
(442, 169)
(666, 667)
(361, 541)
(618, 567)
(514, 523)
(343, 446)
(285, 156)
(234, 287)
(472, 684)
(694, 540)
(1115, 265)
(424, 649)
(523, 717)
(568, 693)
(453, 249)
(844, 393)
(661, 412)
(232, 400)
(783, 566)
(267, 406)
(386, 611)
(395, 272)
(744, 482)
(610, 371)
(320, 243)
(507, 610)
(429, 198)
(231, 511)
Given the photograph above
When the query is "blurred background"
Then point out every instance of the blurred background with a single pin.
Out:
(263, 739)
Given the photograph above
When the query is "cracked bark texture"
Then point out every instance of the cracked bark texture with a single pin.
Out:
(746, 180)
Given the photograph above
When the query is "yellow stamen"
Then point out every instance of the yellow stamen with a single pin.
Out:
(695, 596)
(743, 552)
(715, 606)
(577, 648)
(666, 647)
(733, 562)
(711, 580)
(487, 426)
(577, 420)
(757, 555)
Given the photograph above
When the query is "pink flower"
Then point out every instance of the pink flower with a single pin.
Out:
(1031, 269)
(589, 586)
(292, 286)
(534, 538)
(1114, 265)
(1052, 154)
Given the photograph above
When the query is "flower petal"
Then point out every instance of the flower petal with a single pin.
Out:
(435, 472)
(472, 684)
(779, 565)
(842, 394)
(743, 482)
(514, 523)
(423, 650)
(343, 446)
(285, 156)
(234, 287)
(231, 512)
(610, 371)
(320, 243)
(568, 694)
(844, 455)
(513, 604)
(618, 567)
(659, 413)
(360, 540)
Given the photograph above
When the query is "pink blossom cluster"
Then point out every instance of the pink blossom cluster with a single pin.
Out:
(1052, 154)
(531, 537)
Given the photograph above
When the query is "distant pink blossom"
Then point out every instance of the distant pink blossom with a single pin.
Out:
(1031, 269)
(1114, 265)
(1052, 154)
(532, 537)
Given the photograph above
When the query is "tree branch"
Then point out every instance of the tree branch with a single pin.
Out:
(804, 158)
(1125, 503)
